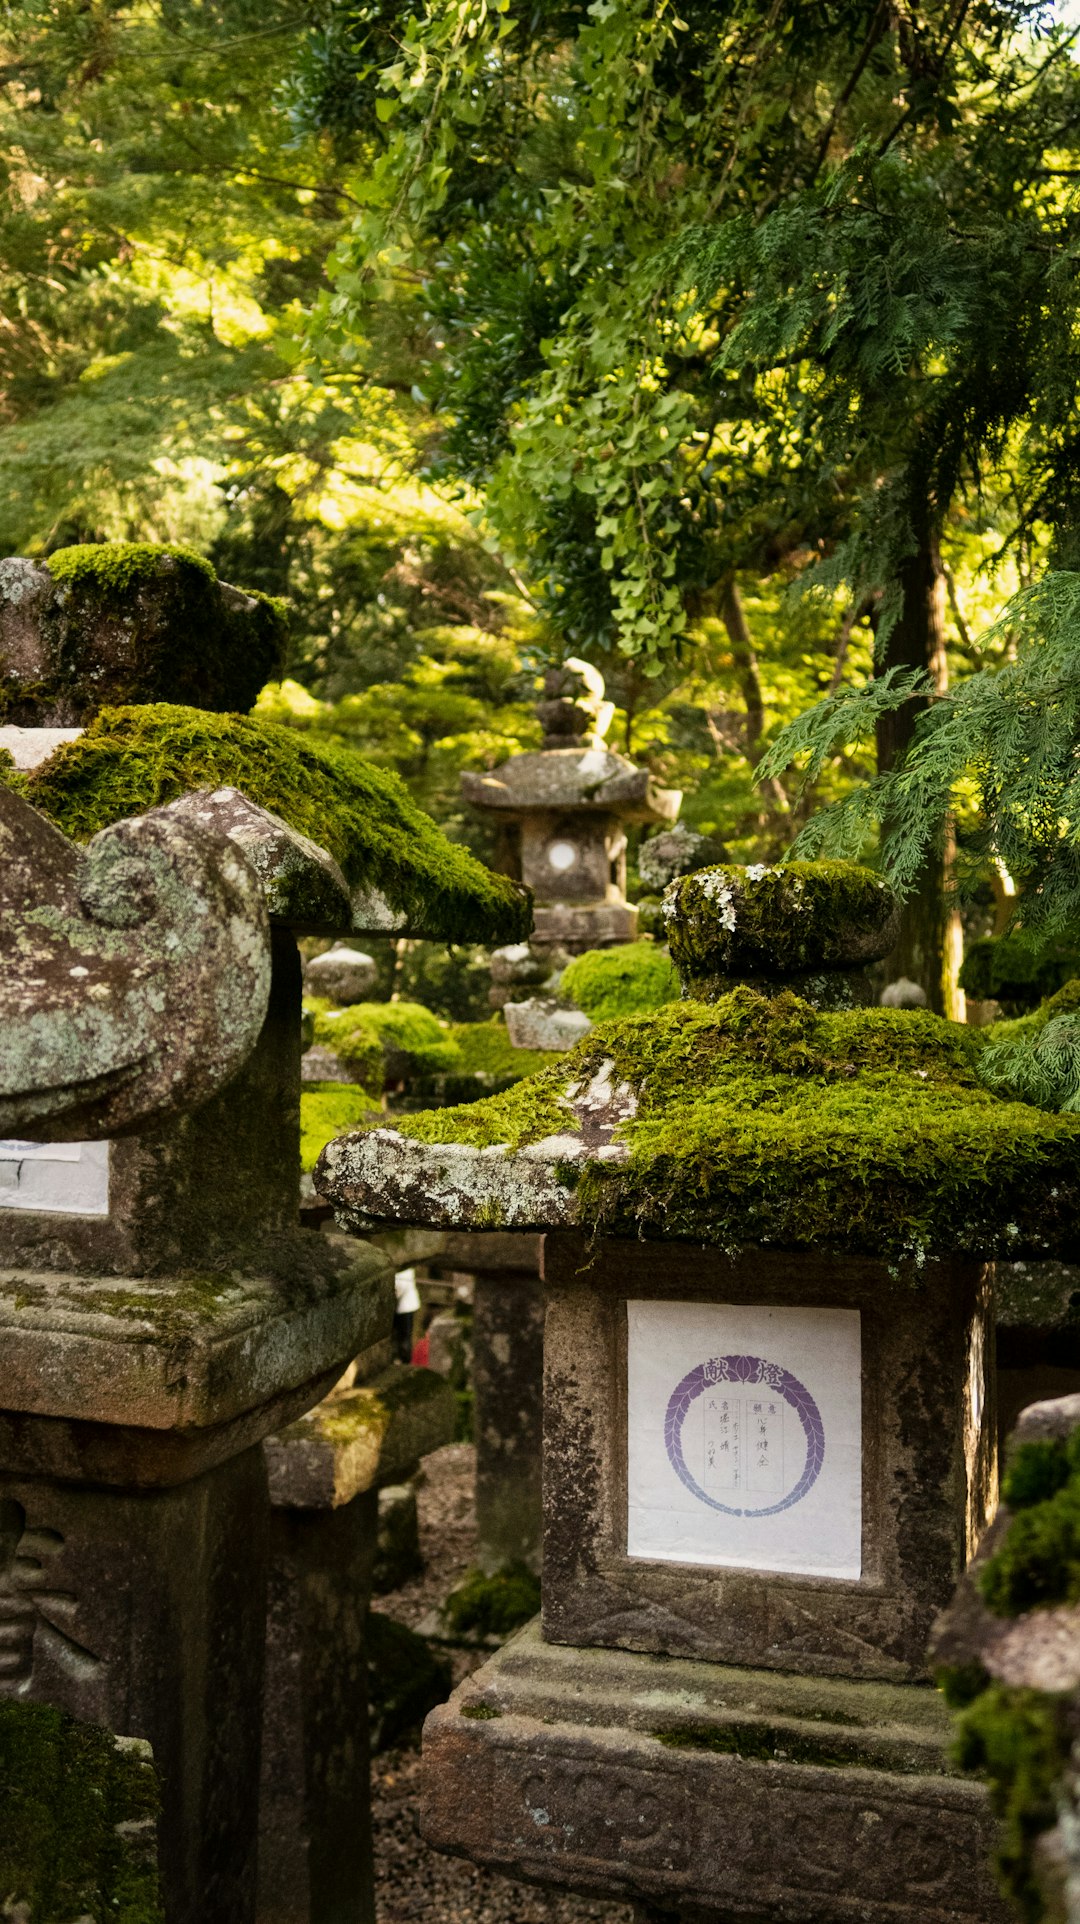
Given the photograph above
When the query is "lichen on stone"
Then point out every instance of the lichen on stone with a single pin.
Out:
(78, 1837)
(760, 1120)
(130, 759)
(778, 920)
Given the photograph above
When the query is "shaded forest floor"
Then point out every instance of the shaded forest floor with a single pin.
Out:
(411, 1881)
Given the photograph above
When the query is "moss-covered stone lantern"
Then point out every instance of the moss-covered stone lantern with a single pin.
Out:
(163, 1312)
(769, 1443)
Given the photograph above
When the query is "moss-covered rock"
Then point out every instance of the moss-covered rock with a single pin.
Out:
(629, 979)
(411, 1041)
(129, 622)
(405, 1680)
(752, 1120)
(780, 923)
(492, 1606)
(329, 1109)
(78, 1832)
(1016, 971)
(1020, 1741)
(131, 759)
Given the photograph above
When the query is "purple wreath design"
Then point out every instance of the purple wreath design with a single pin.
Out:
(745, 1369)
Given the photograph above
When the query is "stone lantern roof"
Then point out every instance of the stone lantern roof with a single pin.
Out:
(592, 778)
(751, 1118)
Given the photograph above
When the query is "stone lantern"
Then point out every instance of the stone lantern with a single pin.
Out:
(567, 806)
(769, 1445)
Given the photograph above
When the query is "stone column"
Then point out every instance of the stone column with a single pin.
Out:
(325, 1472)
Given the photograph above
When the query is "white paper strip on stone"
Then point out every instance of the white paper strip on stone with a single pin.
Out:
(59, 1178)
(744, 1442)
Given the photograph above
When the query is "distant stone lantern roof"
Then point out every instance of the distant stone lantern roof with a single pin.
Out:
(591, 778)
(751, 1118)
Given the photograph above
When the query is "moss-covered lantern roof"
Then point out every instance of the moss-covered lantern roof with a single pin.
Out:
(749, 1117)
(747, 1120)
(396, 872)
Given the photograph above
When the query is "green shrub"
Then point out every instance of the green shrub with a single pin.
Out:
(329, 1109)
(630, 979)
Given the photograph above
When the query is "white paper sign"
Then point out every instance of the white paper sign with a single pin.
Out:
(61, 1178)
(745, 1437)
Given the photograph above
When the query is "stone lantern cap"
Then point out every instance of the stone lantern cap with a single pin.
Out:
(749, 1120)
(593, 779)
(781, 922)
(339, 843)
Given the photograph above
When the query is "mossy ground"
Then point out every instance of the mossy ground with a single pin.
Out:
(65, 1787)
(628, 979)
(134, 758)
(329, 1109)
(768, 1121)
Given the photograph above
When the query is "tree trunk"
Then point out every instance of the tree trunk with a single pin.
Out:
(733, 616)
(931, 945)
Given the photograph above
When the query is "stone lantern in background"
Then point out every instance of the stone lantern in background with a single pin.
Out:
(769, 1435)
(566, 807)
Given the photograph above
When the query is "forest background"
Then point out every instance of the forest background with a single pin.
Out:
(731, 346)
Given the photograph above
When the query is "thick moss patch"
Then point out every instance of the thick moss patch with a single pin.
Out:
(77, 1838)
(629, 979)
(131, 759)
(767, 1121)
(492, 1606)
(329, 1109)
(1020, 1741)
(1039, 1561)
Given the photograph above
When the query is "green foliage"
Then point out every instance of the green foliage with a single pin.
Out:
(493, 1606)
(1038, 1563)
(68, 1793)
(768, 1121)
(131, 759)
(1020, 1741)
(353, 1039)
(1043, 1069)
(484, 1050)
(329, 1109)
(1009, 732)
(628, 979)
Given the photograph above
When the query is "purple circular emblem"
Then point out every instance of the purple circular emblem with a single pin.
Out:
(744, 1428)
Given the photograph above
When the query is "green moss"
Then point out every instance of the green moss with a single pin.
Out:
(411, 1039)
(481, 1713)
(765, 1120)
(352, 1038)
(69, 1794)
(131, 759)
(493, 1606)
(1038, 1563)
(775, 921)
(329, 1109)
(114, 567)
(1017, 971)
(629, 979)
(1019, 1740)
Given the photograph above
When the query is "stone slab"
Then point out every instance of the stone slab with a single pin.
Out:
(138, 1375)
(709, 1791)
(508, 1385)
(359, 1439)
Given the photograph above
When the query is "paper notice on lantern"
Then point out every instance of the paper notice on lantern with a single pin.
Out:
(61, 1178)
(744, 1441)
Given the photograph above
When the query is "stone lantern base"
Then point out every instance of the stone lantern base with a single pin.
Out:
(712, 1791)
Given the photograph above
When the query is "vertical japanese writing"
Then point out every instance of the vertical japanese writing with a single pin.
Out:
(765, 1446)
(33, 1607)
(743, 1443)
(722, 1421)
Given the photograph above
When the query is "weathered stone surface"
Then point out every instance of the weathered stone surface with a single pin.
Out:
(677, 851)
(789, 922)
(575, 927)
(592, 779)
(144, 1611)
(929, 1477)
(345, 975)
(508, 1386)
(29, 747)
(398, 1555)
(135, 973)
(320, 1064)
(540, 1023)
(99, 625)
(357, 1439)
(303, 885)
(519, 963)
(152, 1381)
(711, 1792)
(381, 1176)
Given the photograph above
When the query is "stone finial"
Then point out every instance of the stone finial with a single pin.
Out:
(572, 708)
(807, 926)
(672, 852)
(115, 622)
(134, 974)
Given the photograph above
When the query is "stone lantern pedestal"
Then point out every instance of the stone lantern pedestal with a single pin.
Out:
(769, 1433)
